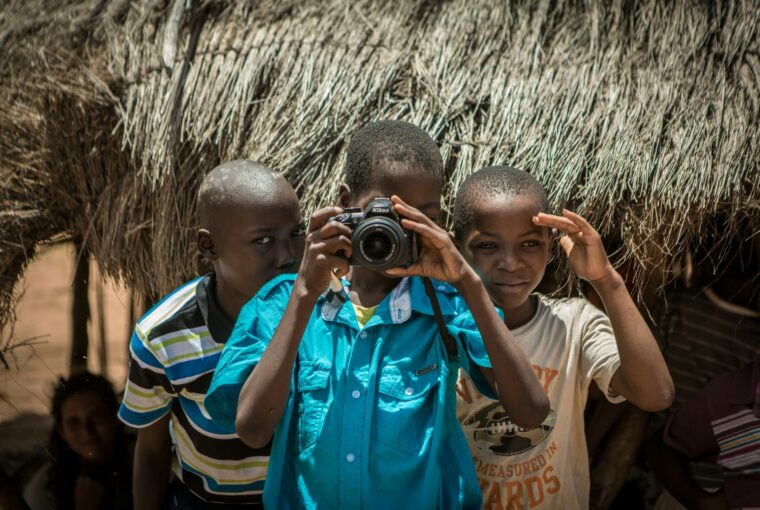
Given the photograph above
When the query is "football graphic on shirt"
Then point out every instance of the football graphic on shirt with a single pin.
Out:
(492, 429)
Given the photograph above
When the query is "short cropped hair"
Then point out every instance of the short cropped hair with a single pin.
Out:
(396, 142)
(234, 183)
(493, 181)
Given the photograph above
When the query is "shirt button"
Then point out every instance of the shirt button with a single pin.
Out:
(363, 334)
(441, 288)
(408, 391)
(350, 458)
(356, 394)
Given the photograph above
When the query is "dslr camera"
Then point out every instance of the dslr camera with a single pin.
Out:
(377, 238)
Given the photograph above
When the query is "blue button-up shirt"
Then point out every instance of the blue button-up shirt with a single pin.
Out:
(370, 421)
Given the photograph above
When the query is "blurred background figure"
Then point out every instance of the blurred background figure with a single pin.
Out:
(89, 462)
(721, 426)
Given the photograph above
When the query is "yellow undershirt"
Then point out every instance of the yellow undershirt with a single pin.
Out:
(364, 314)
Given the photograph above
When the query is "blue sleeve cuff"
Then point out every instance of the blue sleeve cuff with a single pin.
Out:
(472, 350)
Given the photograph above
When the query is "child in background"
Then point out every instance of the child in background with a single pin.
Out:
(501, 229)
(90, 458)
(356, 381)
(251, 230)
(721, 425)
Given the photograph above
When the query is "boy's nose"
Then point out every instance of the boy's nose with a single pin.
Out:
(509, 261)
(88, 431)
(288, 264)
(286, 256)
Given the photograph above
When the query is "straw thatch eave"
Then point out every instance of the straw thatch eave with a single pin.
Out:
(642, 115)
(56, 124)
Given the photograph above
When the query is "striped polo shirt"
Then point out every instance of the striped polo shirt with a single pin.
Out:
(175, 348)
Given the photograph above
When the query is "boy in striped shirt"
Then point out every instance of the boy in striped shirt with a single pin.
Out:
(251, 230)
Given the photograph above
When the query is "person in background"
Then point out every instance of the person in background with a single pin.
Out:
(251, 230)
(709, 324)
(90, 458)
(720, 425)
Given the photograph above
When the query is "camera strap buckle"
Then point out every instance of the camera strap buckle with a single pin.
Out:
(448, 340)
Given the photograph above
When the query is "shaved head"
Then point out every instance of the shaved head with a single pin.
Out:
(251, 230)
(240, 183)
(489, 182)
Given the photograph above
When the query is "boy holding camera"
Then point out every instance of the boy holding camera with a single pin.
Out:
(356, 382)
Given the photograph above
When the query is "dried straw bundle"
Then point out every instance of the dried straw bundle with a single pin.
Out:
(642, 115)
(59, 160)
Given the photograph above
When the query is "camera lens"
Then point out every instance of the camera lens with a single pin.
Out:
(377, 246)
(379, 243)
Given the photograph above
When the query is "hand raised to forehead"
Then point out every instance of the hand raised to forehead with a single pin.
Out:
(581, 243)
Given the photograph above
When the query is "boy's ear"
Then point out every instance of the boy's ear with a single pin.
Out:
(345, 195)
(205, 242)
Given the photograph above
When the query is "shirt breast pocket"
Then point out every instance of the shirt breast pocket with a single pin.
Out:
(407, 405)
(313, 392)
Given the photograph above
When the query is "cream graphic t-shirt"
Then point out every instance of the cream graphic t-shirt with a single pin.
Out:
(569, 343)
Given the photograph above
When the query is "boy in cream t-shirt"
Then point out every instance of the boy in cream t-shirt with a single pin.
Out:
(502, 232)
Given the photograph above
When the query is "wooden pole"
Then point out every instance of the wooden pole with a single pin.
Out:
(80, 310)
(102, 340)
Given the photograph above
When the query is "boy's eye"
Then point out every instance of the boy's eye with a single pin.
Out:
(299, 232)
(531, 243)
(263, 240)
(485, 246)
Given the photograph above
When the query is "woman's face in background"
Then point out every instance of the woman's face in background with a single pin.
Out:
(88, 426)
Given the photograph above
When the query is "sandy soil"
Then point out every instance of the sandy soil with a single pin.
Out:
(44, 318)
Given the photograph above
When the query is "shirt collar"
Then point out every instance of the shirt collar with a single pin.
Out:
(409, 295)
(219, 324)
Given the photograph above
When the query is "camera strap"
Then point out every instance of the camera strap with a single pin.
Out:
(448, 340)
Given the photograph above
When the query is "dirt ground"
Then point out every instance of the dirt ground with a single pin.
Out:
(44, 320)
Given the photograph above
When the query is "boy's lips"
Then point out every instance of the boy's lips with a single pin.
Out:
(511, 284)
(510, 287)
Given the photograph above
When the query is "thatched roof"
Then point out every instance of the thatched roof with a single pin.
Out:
(645, 116)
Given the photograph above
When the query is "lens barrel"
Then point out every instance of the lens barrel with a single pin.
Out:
(379, 243)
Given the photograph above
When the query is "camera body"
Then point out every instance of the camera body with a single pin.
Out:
(378, 240)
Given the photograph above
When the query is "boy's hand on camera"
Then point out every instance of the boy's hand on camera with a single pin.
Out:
(439, 258)
(582, 245)
(328, 248)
